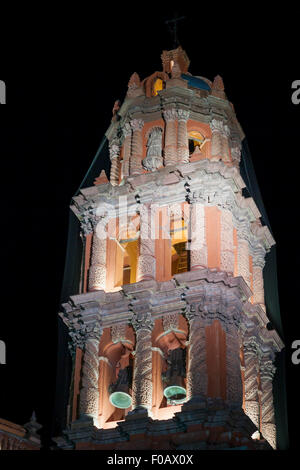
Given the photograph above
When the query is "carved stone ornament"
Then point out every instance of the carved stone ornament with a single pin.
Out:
(137, 125)
(219, 126)
(118, 332)
(88, 221)
(142, 321)
(183, 114)
(154, 159)
(114, 150)
(170, 114)
(126, 129)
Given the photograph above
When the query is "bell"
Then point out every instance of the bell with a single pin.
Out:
(174, 390)
(173, 378)
(119, 396)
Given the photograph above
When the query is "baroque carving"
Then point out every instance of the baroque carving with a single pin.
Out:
(142, 377)
(170, 321)
(227, 250)
(197, 372)
(142, 321)
(154, 158)
(198, 246)
(135, 165)
(147, 261)
(118, 332)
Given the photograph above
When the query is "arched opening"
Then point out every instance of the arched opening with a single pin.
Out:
(126, 261)
(196, 141)
(179, 254)
(157, 86)
(115, 380)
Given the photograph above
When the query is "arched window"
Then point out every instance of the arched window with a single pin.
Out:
(126, 261)
(196, 141)
(180, 255)
(157, 86)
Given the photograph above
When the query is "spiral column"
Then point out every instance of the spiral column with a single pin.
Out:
(170, 154)
(142, 375)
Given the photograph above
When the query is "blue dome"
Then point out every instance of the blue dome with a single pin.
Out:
(195, 82)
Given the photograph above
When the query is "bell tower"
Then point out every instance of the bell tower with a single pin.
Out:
(168, 326)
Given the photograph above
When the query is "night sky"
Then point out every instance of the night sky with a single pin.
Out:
(63, 77)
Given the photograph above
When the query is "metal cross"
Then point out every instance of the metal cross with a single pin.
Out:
(173, 28)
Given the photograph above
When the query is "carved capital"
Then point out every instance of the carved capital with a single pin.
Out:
(183, 114)
(267, 370)
(126, 129)
(142, 321)
(114, 150)
(236, 154)
(170, 114)
(88, 221)
(137, 124)
(217, 125)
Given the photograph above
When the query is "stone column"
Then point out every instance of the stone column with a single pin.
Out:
(126, 149)
(227, 249)
(243, 260)
(183, 142)
(114, 152)
(142, 374)
(146, 268)
(236, 155)
(89, 393)
(268, 427)
(97, 271)
(252, 408)
(198, 246)
(135, 165)
(219, 140)
(170, 153)
(196, 370)
(258, 280)
(234, 385)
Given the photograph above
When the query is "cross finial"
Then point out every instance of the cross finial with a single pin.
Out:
(172, 23)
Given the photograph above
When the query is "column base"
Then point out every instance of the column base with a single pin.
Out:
(85, 421)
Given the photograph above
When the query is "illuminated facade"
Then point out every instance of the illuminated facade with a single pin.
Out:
(168, 330)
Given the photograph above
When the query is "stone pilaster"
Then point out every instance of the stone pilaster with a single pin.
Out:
(196, 370)
(182, 141)
(142, 374)
(114, 153)
(170, 154)
(97, 271)
(243, 260)
(227, 249)
(258, 282)
(126, 149)
(268, 427)
(198, 246)
(89, 393)
(146, 260)
(219, 141)
(252, 407)
(236, 155)
(135, 166)
(234, 385)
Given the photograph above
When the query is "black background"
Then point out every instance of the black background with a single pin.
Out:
(63, 73)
